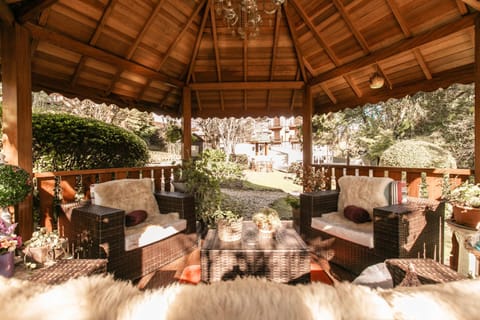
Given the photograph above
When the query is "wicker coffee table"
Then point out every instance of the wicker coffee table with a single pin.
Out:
(284, 258)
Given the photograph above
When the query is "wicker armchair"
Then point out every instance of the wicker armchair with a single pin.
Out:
(99, 232)
(409, 230)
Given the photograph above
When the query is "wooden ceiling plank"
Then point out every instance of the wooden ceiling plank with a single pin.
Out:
(276, 34)
(346, 17)
(293, 35)
(462, 7)
(6, 15)
(329, 93)
(197, 42)
(245, 100)
(215, 43)
(399, 18)
(135, 44)
(475, 4)
(180, 35)
(306, 19)
(403, 45)
(422, 63)
(197, 93)
(252, 85)
(245, 59)
(31, 9)
(144, 88)
(94, 38)
(292, 99)
(353, 85)
(68, 43)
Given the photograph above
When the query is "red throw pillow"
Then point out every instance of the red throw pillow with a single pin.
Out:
(135, 217)
(356, 214)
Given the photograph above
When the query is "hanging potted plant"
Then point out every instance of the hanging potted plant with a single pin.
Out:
(465, 200)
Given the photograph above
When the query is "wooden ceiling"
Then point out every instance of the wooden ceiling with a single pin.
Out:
(141, 53)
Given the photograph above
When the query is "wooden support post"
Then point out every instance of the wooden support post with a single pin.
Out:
(17, 111)
(307, 128)
(187, 123)
(477, 100)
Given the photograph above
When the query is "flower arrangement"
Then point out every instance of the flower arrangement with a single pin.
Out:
(8, 240)
(15, 185)
(44, 238)
(466, 195)
(267, 219)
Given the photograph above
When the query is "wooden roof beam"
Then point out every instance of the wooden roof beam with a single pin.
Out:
(6, 15)
(30, 9)
(358, 36)
(475, 4)
(94, 38)
(464, 74)
(198, 40)
(329, 93)
(68, 43)
(296, 45)
(353, 85)
(292, 99)
(252, 85)
(422, 63)
(401, 46)
(462, 7)
(274, 54)
(384, 75)
(398, 16)
(315, 33)
(217, 53)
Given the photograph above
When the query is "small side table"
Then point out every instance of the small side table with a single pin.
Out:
(462, 260)
(63, 270)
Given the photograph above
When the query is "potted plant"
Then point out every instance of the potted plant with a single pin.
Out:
(45, 246)
(15, 186)
(267, 221)
(465, 200)
(229, 224)
(294, 202)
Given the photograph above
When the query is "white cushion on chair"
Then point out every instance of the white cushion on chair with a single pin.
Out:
(127, 195)
(364, 192)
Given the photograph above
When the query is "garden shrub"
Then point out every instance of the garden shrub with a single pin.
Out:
(66, 142)
(417, 154)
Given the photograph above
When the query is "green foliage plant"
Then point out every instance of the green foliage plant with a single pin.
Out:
(67, 142)
(466, 195)
(293, 201)
(15, 185)
(228, 216)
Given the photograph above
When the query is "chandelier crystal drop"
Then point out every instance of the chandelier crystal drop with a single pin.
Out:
(243, 17)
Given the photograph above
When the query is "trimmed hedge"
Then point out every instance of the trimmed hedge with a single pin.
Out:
(66, 142)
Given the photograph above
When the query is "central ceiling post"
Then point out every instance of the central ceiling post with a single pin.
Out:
(307, 128)
(187, 123)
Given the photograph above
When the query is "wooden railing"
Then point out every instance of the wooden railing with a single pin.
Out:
(433, 179)
(67, 186)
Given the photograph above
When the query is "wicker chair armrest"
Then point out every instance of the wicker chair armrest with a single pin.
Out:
(178, 202)
(314, 204)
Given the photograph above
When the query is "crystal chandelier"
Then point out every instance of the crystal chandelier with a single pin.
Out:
(243, 16)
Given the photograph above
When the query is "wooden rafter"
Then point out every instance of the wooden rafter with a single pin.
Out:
(217, 53)
(296, 45)
(396, 48)
(258, 85)
(353, 85)
(276, 35)
(462, 7)
(475, 4)
(245, 70)
(135, 44)
(42, 21)
(68, 43)
(306, 19)
(292, 99)
(381, 71)
(197, 94)
(94, 38)
(6, 15)
(329, 93)
(399, 18)
(191, 67)
(422, 63)
(358, 36)
(31, 9)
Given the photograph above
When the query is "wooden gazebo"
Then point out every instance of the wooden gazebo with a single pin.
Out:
(180, 58)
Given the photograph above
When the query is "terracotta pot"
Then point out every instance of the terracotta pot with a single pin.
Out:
(466, 216)
(7, 265)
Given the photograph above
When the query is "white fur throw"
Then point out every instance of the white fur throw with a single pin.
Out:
(364, 192)
(100, 297)
(127, 195)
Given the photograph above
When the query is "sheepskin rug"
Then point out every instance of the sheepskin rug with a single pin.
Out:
(102, 297)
